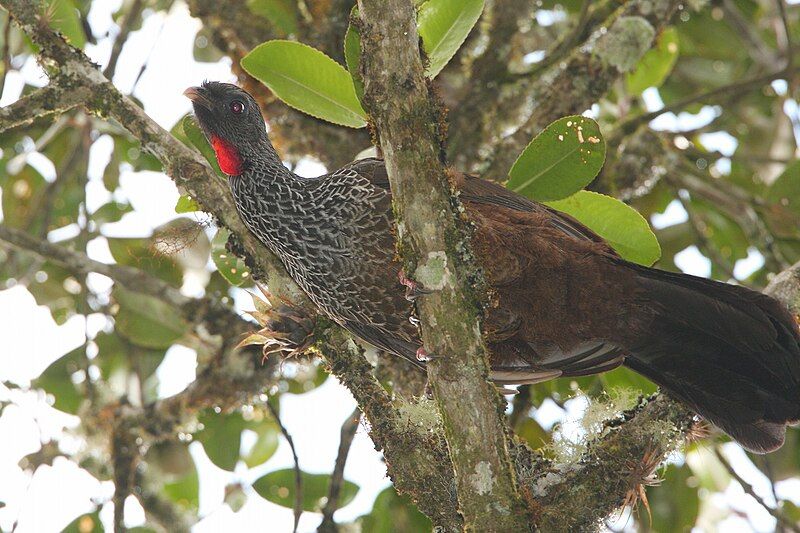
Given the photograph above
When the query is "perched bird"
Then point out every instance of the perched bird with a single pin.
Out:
(565, 303)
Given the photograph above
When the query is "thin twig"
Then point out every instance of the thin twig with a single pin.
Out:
(632, 123)
(298, 478)
(703, 241)
(788, 51)
(566, 45)
(349, 428)
(125, 25)
(748, 488)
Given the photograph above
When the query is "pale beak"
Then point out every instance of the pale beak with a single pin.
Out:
(195, 94)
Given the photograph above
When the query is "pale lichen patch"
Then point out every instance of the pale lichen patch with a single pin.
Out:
(433, 273)
(482, 479)
(625, 42)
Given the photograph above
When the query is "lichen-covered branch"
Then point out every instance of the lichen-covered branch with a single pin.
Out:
(409, 434)
(41, 103)
(70, 69)
(435, 249)
(577, 496)
(585, 75)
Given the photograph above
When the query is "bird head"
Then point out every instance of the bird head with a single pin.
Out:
(231, 120)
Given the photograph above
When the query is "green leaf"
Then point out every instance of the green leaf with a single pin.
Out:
(619, 224)
(185, 491)
(197, 139)
(656, 64)
(57, 380)
(221, 437)
(147, 321)
(140, 253)
(63, 16)
(443, 26)
(186, 204)
(88, 523)
(352, 54)
(23, 194)
(279, 488)
(533, 433)
(392, 513)
(231, 267)
(113, 211)
(783, 197)
(266, 444)
(281, 13)
(564, 158)
(204, 50)
(308, 80)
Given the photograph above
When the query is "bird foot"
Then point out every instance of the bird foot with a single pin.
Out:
(413, 289)
(414, 320)
(285, 329)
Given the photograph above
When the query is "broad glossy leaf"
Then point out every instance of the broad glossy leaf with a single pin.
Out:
(624, 378)
(197, 139)
(141, 253)
(533, 433)
(231, 267)
(186, 204)
(56, 288)
(204, 50)
(172, 458)
(308, 80)
(392, 513)
(57, 380)
(185, 491)
(63, 16)
(22, 197)
(221, 437)
(266, 442)
(87, 523)
(279, 488)
(443, 26)
(783, 197)
(281, 13)
(352, 54)
(656, 64)
(560, 161)
(113, 211)
(147, 321)
(620, 225)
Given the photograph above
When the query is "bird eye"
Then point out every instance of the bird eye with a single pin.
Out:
(237, 107)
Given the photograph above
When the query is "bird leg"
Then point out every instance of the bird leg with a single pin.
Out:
(413, 289)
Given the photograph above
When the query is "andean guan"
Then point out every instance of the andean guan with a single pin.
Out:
(567, 304)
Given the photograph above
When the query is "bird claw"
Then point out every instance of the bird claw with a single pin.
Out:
(285, 329)
(413, 289)
(414, 320)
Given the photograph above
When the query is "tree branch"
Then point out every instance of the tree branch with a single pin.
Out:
(414, 448)
(41, 103)
(589, 71)
(349, 428)
(436, 250)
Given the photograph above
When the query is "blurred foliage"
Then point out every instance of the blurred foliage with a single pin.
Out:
(741, 197)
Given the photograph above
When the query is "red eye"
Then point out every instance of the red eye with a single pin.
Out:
(237, 107)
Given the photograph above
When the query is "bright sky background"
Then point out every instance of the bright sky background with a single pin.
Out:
(31, 340)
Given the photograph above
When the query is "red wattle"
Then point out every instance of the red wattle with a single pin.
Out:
(227, 156)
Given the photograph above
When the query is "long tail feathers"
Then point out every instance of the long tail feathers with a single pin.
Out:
(730, 353)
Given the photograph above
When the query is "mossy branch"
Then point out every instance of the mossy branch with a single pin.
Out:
(435, 247)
